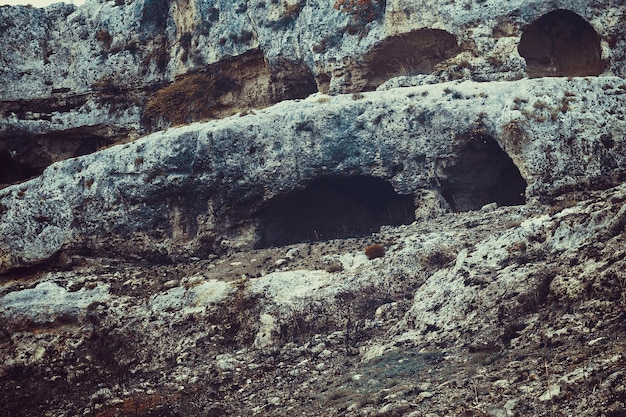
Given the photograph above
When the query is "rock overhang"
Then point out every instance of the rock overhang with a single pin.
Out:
(195, 189)
(126, 55)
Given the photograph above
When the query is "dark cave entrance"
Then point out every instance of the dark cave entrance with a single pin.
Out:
(482, 174)
(24, 157)
(332, 208)
(561, 44)
(12, 171)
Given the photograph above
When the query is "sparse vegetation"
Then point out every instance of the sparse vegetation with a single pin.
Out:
(361, 11)
(159, 54)
(105, 37)
(292, 10)
(439, 258)
(374, 251)
(335, 267)
(190, 98)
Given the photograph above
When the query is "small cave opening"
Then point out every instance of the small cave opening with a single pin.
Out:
(12, 171)
(26, 156)
(332, 208)
(239, 83)
(483, 173)
(561, 44)
(290, 80)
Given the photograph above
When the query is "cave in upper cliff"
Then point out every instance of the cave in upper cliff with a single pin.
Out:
(481, 174)
(23, 155)
(231, 85)
(561, 44)
(12, 171)
(332, 208)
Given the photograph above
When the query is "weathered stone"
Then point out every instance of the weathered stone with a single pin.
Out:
(193, 190)
(149, 278)
(101, 73)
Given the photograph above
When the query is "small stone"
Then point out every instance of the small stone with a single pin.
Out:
(594, 341)
(510, 405)
(101, 395)
(501, 383)
(280, 262)
(489, 207)
(274, 401)
(424, 395)
(170, 284)
(424, 386)
(497, 412)
(353, 407)
(226, 362)
(320, 347)
(325, 353)
(394, 409)
(526, 389)
(552, 392)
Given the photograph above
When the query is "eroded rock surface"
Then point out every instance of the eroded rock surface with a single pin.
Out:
(110, 71)
(517, 310)
(227, 267)
(194, 190)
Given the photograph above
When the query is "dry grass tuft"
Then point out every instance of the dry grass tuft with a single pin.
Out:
(190, 98)
(375, 251)
(515, 135)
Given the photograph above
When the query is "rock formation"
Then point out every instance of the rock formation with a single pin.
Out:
(83, 78)
(202, 189)
(193, 185)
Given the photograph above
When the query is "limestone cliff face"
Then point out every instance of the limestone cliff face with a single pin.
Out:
(81, 78)
(217, 259)
(198, 189)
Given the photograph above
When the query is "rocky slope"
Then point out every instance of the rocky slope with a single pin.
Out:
(508, 311)
(208, 188)
(226, 267)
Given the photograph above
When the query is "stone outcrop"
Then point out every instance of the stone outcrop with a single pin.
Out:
(515, 308)
(195, 190)
(101, 69)
(414, 210)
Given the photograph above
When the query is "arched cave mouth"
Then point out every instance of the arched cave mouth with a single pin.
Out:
(482, 174)
(332, 208)
(561, 44)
